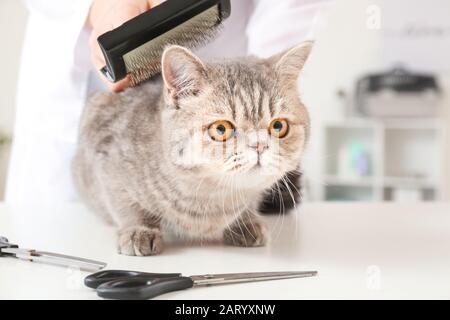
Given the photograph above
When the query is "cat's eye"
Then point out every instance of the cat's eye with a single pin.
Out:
(279, 128)
(221, 130)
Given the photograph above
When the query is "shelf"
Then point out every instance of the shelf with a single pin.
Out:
(349, 181)
(339, 139)
(400, 159)
(349, 193)
(419, 183)
(402, 145)
(409, 194)
(353, 123)
(391, 182)
(389, 123)
(412, 124)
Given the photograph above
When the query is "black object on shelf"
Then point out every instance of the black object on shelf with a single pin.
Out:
(397, 93)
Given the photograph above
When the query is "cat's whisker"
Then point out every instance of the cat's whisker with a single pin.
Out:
(283, 179)
(240, 214)
(227, 224)
(281, 211)
(247, 208)
(236, 215)
(293, 200)
(224, 214)
(207, 208)
(275, 192)
(198, 188)
(296, 209)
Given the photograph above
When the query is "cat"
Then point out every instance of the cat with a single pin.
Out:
(194, 151)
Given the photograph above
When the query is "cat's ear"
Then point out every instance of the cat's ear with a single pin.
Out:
(289, 63)
(184, 73)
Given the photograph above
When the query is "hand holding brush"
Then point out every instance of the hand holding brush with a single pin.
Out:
(106, 15)
(129, 36)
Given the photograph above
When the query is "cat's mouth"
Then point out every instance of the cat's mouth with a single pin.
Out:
(260, 168)
(257, 165)
(250, 165)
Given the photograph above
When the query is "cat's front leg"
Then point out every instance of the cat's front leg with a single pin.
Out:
(247, 231)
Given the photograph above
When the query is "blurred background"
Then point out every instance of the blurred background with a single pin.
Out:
(377, 87)
(13, 19)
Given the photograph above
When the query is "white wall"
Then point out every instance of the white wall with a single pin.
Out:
(12, 27)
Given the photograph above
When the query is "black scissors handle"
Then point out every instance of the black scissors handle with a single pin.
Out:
(96, 279)
(4, 244)
(142, 288)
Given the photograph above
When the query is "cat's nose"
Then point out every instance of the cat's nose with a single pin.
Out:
(258, 140)
(259, 147)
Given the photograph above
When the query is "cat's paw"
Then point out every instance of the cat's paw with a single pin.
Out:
(250, 234)
(140, 241)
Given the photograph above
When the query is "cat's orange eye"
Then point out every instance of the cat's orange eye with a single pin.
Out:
(279, 128)
(221, 130)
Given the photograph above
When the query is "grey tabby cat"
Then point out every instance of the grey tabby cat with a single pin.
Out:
(195, 152)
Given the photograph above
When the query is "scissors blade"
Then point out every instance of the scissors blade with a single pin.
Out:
(215, 279)
(70, 261)
(56, 258)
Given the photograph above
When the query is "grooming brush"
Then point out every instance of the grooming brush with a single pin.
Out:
(135, 48)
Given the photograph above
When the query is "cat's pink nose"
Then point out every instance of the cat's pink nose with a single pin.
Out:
(259, 147)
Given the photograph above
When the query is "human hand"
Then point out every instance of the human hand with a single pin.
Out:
(106, 15)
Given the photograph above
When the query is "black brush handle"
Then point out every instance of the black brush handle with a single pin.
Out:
(142, 288)
(96, 279)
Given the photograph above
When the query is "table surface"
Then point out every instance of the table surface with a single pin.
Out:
(361, 250)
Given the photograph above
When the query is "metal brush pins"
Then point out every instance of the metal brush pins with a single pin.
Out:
(135, 48)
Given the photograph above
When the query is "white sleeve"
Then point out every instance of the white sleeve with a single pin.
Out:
(275, 26)
(70, 17)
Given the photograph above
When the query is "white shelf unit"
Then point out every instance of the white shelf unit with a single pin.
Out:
(405, 160)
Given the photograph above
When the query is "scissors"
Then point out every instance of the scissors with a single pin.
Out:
(134, 285)
(9, 249)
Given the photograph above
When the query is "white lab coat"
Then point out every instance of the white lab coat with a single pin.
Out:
(56, 76)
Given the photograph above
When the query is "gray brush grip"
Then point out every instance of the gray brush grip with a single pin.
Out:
(142, 288)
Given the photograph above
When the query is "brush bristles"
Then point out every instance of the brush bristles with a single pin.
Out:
(145, 61)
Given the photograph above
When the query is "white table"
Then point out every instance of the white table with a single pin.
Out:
(361, 251)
